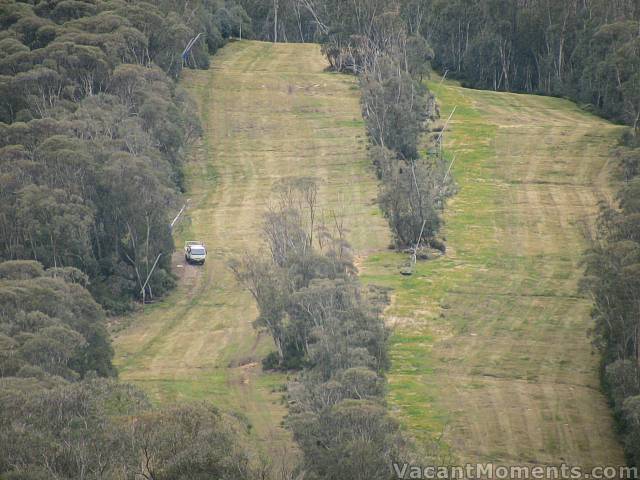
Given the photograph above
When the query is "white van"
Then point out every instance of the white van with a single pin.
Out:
(195, 252)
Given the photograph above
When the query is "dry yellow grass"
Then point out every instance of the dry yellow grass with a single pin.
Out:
(268, 112)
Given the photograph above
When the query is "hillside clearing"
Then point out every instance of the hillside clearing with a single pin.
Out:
(268, 112)
(490, 342)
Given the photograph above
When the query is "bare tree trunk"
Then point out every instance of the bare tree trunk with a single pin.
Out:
(299, 19)
(275, 21)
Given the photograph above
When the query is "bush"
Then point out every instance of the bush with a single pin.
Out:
(271, 361)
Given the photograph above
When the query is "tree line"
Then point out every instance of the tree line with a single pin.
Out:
(612, 277)
(93, 133)
(328, 329)
(586, 50)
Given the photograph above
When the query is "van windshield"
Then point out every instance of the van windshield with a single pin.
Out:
(197, 251)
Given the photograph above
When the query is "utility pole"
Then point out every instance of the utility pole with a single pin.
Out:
(443, 77)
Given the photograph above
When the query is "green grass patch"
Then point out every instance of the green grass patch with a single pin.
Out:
(498, 309)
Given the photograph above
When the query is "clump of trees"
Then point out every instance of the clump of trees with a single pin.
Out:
(102, 429)
(93, 132)
(373, 42)
(49, 324)
(324, 325)
(62, 415)
(612, 276)
(306, 289)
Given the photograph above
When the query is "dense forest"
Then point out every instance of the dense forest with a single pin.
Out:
(586, 50)
(93, 132)
(61, 418)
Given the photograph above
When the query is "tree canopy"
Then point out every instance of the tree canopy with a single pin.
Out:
(94, 131)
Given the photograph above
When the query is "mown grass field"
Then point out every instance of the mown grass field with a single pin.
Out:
(489, 345)
(490, 349)
(268, 112)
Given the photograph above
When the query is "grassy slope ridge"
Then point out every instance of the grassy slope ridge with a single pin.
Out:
(490, 342)
(268, 111)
